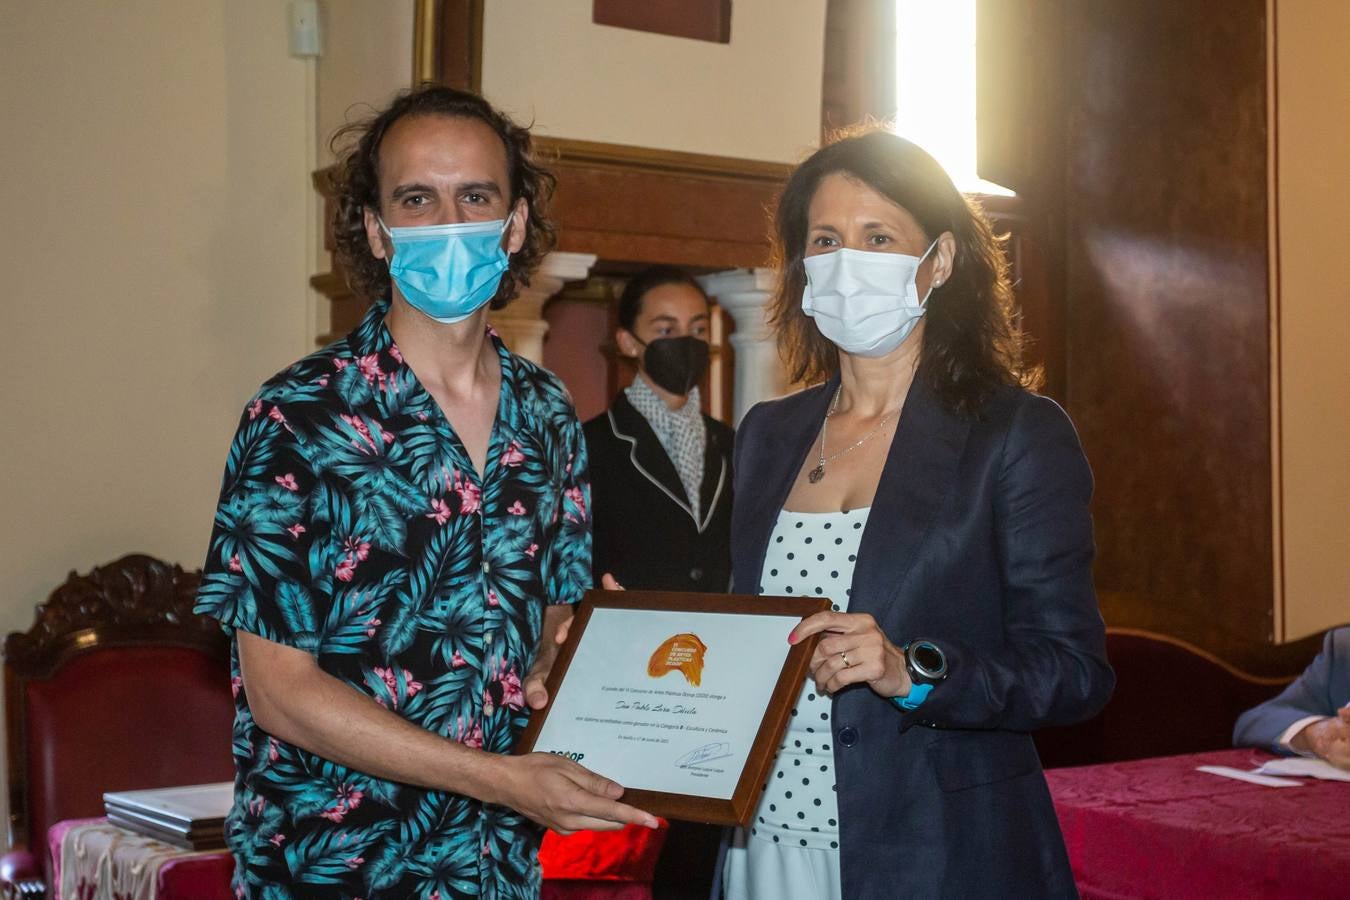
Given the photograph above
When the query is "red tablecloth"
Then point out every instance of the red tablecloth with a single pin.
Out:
(1156, 828)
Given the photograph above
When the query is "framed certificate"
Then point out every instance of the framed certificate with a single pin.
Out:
(681, 698)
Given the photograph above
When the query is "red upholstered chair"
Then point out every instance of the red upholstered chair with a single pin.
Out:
(1171, 698)
(117, 686)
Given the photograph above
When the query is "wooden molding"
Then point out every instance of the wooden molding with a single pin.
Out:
(858, 81)
(448, 43)
(425, 65)
(640, 205)
(1240, 674)
(596, 155)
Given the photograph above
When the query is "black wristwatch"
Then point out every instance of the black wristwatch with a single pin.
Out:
(925, 662)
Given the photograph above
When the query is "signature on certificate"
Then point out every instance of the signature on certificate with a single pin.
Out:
(700, 756)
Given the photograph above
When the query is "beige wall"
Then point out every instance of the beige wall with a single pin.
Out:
(367, 58)
(1312, 337)
(155, 194)
(158, 242)
(155, 188)
(757, 97)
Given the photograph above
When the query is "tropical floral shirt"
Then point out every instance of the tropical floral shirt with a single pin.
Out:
(353, 526)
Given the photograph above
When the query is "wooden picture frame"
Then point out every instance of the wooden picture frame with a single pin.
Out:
(740, 807)
(702, 20)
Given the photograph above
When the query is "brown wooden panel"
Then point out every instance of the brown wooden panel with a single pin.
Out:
(455, 53)
(628, 204)
(859, 67)
(1166, 273)
(1020, 109)
(1039, 310)
(703, 20)
(1018, 79)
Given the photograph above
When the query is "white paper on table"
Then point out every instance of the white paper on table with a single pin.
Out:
(663, 733)
(1241, 775)
(1304, 767)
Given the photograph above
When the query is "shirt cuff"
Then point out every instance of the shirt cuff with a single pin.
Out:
(1288, 734)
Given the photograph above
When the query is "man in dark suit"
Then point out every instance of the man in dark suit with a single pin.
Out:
(660, 469)
(1312, 716)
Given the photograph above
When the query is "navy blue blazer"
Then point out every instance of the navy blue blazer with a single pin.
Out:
(979, 538)
(1323, 688)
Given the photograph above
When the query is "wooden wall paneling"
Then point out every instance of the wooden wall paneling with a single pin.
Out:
(726, 361)
(1020, 135)
(629, 204)
(704, 20)
(859, 68)
(448, 43)
(1168, 365)
(1039, 308)
(1018, 77)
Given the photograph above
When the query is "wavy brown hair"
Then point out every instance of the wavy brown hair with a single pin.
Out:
(970, 344)
(358, 186)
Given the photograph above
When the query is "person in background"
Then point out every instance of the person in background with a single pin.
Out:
(661, 482)
(1311, 717)
(401, 534)
(944, 509)
(661, 490)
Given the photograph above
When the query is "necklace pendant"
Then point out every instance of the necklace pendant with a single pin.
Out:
(816, 474)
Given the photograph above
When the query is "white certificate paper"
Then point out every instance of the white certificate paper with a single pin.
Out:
(668, 701)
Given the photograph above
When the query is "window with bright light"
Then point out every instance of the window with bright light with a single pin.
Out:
(935, 85)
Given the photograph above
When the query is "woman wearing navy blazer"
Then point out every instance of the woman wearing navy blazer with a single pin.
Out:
(944, 509)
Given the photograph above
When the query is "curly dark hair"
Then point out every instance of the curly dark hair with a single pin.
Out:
(357, 186)
(970, 344)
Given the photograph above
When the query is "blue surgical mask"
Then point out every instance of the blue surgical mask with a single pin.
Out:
(448, 271)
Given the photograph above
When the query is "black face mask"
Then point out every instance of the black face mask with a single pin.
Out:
(675, 363)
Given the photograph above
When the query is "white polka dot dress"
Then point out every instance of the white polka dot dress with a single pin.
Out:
(791, 849)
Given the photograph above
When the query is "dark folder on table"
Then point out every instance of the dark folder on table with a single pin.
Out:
(191, 817)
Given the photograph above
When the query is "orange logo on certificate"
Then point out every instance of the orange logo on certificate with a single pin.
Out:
(681, 653)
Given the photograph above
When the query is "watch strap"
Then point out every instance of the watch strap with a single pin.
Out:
(917, 694)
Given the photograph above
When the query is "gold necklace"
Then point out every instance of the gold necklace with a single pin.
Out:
(818, 472)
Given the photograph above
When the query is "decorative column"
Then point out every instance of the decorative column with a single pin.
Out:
(521, 324)
(744, 294)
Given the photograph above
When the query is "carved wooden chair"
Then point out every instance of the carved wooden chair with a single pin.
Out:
(117, 686)
(1171, 698)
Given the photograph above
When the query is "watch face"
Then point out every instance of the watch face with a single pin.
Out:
(928, 659)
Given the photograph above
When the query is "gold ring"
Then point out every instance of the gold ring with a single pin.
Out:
(844, 657)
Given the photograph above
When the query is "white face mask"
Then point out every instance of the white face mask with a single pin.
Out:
(865, 303)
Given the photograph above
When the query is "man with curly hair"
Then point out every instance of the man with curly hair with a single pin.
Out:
(402, 530)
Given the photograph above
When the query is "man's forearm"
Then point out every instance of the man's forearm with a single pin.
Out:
(293, 699)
